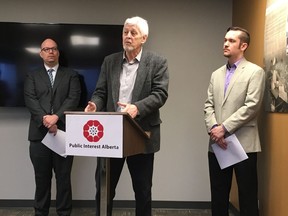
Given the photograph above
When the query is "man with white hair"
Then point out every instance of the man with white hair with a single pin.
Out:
(136, 82)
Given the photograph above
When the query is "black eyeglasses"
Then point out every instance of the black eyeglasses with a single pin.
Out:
(48, 49)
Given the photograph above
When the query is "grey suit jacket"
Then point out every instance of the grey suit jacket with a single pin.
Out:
(149, 94)
(40, 96)
(238, 109)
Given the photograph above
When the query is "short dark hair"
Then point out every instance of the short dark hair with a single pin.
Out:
(244, 36)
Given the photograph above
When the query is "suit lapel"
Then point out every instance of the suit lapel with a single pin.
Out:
(44, 76)
(59, 76)
(141, 76)
(235, 77)
(222, 81)
(115, 78)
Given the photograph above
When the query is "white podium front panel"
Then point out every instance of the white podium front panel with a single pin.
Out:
(94, 135)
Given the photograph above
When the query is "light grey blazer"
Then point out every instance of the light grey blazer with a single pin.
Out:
(149, 94)
(238, 109)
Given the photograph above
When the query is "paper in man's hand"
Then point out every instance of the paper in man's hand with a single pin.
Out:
(56, 143)
(232, 155)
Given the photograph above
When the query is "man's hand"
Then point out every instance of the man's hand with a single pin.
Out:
(222, 143)
(50, 120)
(53, 129)
(217, 134)
(91, 107)
(131, 109)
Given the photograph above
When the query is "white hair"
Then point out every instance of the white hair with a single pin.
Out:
(141, 23)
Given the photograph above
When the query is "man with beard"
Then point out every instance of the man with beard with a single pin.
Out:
(234, 100)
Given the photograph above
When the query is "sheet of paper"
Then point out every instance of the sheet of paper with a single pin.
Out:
(56, 143)
(232, 155)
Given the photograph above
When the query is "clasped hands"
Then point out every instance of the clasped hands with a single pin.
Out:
(217, 135)
(49, 121)
(131, 109)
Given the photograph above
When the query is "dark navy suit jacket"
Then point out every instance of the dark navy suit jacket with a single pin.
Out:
(40, 96)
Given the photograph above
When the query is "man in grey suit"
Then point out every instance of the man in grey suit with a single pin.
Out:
(234, 99)
(47, 98)
(134, 81)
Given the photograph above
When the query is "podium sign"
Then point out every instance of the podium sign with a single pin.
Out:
(94, 135)
(110, 135)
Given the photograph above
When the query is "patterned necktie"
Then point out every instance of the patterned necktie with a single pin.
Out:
(52, 82)
(51, 76)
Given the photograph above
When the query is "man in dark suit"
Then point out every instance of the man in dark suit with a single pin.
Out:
(134, 81)
(47, 98)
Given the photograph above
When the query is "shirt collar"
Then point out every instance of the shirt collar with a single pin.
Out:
(55, 67)
(137, 58)
(228, 66)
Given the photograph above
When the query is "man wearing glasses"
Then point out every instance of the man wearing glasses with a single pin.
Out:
(48, 92)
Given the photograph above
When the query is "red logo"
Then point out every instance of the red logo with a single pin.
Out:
(93, 130)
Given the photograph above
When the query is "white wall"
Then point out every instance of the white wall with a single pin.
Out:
(190, 34)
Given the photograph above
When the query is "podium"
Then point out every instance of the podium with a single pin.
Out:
(105, 135)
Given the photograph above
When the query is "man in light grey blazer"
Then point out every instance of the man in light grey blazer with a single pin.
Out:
(134, 81)
(234, 99)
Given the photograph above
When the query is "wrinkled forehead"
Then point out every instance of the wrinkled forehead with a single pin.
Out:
(131, 27)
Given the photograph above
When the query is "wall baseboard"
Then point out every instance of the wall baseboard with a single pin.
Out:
(121, 204)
